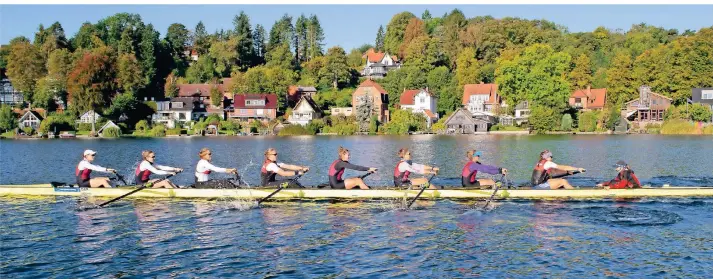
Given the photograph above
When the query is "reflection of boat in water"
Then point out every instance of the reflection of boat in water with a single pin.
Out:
(317, 194)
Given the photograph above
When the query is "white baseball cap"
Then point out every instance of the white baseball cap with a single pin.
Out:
(89, 152)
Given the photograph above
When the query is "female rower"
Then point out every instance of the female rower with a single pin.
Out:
(148, 167)
(471, 169)
(271, 168)
(84, 171)
(204, 168)
(405, 167)
(336, 170)
(541, 175)
(625, 179)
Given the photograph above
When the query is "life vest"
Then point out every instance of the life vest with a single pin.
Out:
(400, 177)
(265, 175)
(142, 176)
(466, 174)
(82, 175)
(539, 174)
(334, 172)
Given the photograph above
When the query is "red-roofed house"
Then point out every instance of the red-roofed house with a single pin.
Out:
(254, 106)
(202, 93)
(481, 98)
(588, 99)
(420, 100)
(379, 63)
(377, 94)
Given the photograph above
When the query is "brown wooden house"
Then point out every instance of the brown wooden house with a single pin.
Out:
(462, 122)
(649, 107)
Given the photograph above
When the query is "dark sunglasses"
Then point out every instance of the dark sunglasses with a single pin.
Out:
(273, 154)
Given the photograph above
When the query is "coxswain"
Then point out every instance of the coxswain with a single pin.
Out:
(84, 171)
(204, 168)
(405, 167)
(336, 170)
(271, 168)
(624, 179)
(471, 169)
(544, 170)
(148, 167)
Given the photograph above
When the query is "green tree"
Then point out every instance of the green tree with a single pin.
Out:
(588, 121)
(244, 44)
(441, 82)
(354, 59)
(315, 37)
(201, 71)
(566, 123)
(216, 97)
(699, 112)
(282, 33)
(543, 118)
(581, 75)
(301, 42)
(620, 83)
(129, 73)
(408, 77)
(395, 31)
(538, 75)
(379, 44)
(467, 68)
(259, 44)
(25, 66)
(404, 121)
(84, 39)
(8, 120)
(226, 56)
(123, 104)
(280, 56)
(170, 88)
(178, 38)
(336, 68)
(453, 24)
(201, 40)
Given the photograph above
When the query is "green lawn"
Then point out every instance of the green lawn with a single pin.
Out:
(8, 134)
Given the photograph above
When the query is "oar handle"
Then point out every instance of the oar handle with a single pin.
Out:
(280, 187)
(366, 174)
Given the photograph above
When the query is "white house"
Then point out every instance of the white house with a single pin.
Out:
(108, 124)
(178, 111)
(420, 101)
(89, 117)
(30, 119)
(379, 63)
(305, 110)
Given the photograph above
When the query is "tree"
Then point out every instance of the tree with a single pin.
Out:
(467, 68)
(395, 31)
(588, 121)
(8, 120)
(259, 44)
(226, 56)
(147, 53)
(59, 64)
(543, 118)
(315, 37)
(25, 66)
(301, 42)
(201, 41)
(91, 81)
(379, 44)
(566, 123)
(126, 44)
(581, 75)
(538, 75)
(414, 30)
(404, 121)
(354, 59)
(440, 82)
(244, 44)
(123, 104)
(129, 73)
(282, 33)
(84, 39)
(453, 24)
(201, 71)
(170, 88)
(699, 112)
(215, 96)
(280, 56)
(178, 38)
(620, 83)
(336, 68)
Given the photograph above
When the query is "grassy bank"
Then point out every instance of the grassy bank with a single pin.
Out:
(684, 127)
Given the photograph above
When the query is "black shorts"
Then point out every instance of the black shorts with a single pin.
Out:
(466, 182)
(290, 183)
(83, 184)
(398, 183)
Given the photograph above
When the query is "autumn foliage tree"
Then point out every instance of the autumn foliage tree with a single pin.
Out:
(92, 80)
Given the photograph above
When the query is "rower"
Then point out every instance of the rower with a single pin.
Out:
(84, 170)
(405, 167)
(204, 168)
(471, 169)
(148, 167)
(624, 179)
(271, 168)
(541, 175)
(336, 170)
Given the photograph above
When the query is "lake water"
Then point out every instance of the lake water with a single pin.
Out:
(140, 238)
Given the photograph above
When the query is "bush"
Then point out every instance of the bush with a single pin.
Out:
(174, 132)
(678, 127)
(588, 121)
(543, 118)
(566, 123)
(59, 122)
(28, 130)
(613, 117)
(8, 121)
(708, 130)
(199, 127)
(158, 131)
(404, 121)
(699, 112)
(84, 127)
(111, 132)
(315, 126)
(230, 126)
(294, 130)
(142, 126)
(213, 119)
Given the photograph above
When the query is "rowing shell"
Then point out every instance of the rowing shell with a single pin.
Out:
(316, 194)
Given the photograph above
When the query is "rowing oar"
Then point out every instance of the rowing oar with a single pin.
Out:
(423, 188)
(121, 178)
(497, 187)
(148, 184)
(279, 188)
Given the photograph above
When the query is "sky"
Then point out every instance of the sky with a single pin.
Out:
(348, 26)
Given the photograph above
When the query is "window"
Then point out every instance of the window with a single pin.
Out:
(255, 102)
(259, 112)
(422, 100)
(707, 94)
(177, 104)
(243, 111)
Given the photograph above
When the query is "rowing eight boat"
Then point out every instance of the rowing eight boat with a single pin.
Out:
(316, 194)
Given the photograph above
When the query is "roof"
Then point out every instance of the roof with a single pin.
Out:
(309, 102)
(270, 100)
(463, 111)
(429, 113)
(595, 97)
(522, 105)
(203, 90)
(294, 89)
(481, 89)
(36, 112)
(371, 83)
(107, 125)
(697, 95)
(408, 96)
(188, 103)
(372, 56)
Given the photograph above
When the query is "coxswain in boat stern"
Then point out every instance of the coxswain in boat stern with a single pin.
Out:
(405, 167)
(471, 169)
(148, 166)
(336, 171)
(84, 170)
(543, 171)
(624, 179)
(204, 168)
(271, 168)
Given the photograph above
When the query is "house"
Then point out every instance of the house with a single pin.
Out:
(481, 99)
(295, 92)
(177, 111)
(202, 93)
(588, 99)
(254, 106)
(703, 96)
(305, 111)
(109, 124)
(420, 101)
(379, 63)
(378, 96)
(463, 122)
(522, 115)
(89, 117)
(191, 54)
(649, 107)
(9, 95)
(347, 111)
(30, 118)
